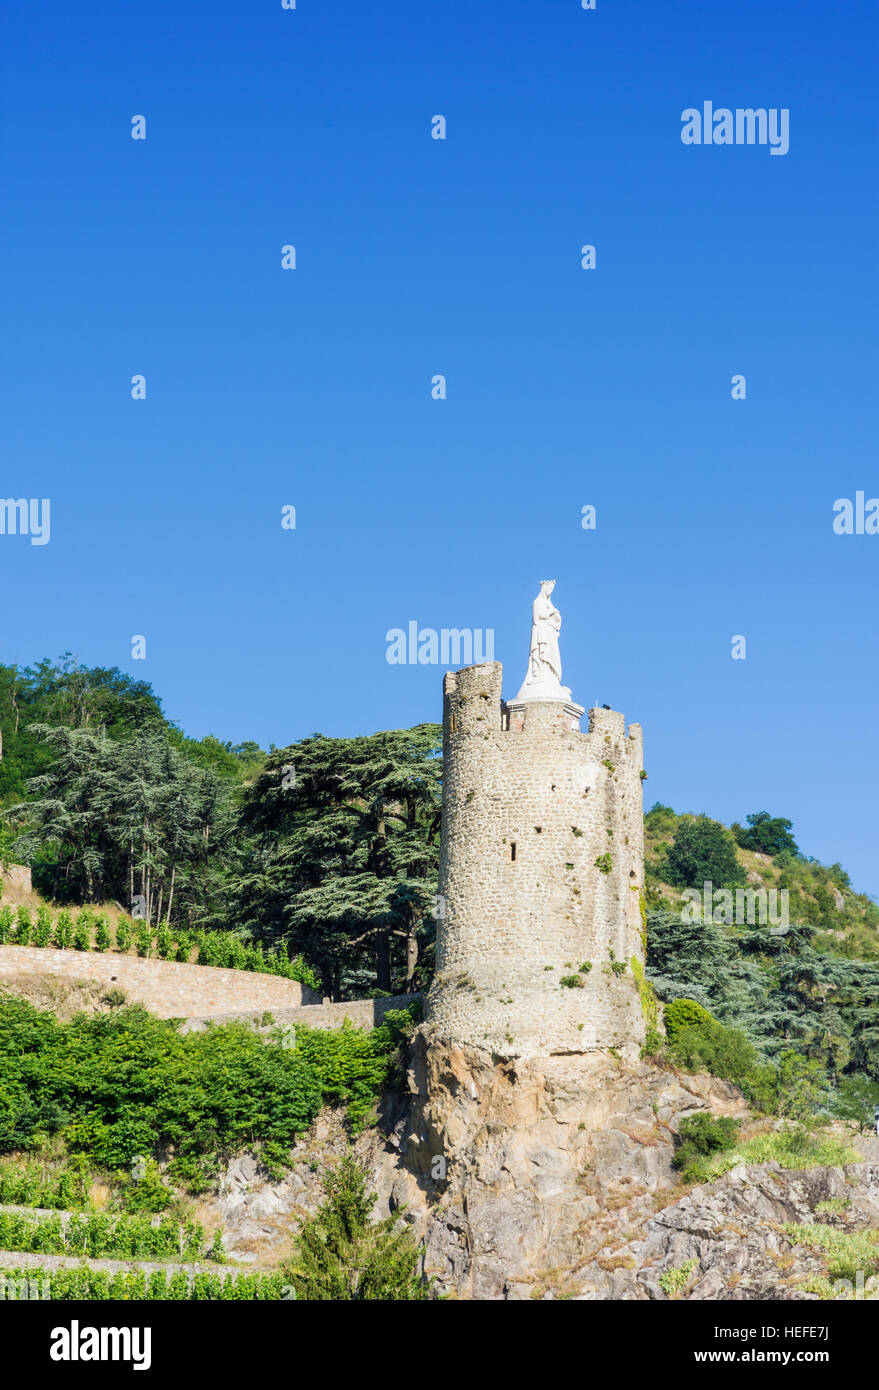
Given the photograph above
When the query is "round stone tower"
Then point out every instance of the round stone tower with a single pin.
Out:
(540, 937)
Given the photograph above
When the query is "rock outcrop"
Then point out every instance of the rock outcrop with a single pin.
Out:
(552, 1178)
(523, 1177)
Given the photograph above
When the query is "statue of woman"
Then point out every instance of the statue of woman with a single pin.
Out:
(544, 678)
(546, 622)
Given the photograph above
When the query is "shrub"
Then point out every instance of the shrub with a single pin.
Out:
(217, 1252)
(704, 1134)
(146, 1191)
(685, 1013)
(82, 936)
(115, 1086)
(22, 927)
(724, 1052)
(123, 935)
(674, 1281)
(43, 927)
(794, 1148)
(102, 934)
(6, 928)
(184, 946)
(572, 982)
(63, 934)
(802, 1086)
(85, 1284)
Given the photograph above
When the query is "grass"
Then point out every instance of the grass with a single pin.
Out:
(790, 1148)
(847, 1252)
(674, 1281)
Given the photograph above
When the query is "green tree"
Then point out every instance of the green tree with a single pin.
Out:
(802, 1086)
(766, 834)
(342, 1254)
(129, 819)
(343, 853)
(856, 1100)
(702, 851)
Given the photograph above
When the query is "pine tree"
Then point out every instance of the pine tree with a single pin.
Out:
(343, 855)
(342, 1255)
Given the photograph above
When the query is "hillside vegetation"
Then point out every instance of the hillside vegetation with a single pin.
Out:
(319, 860)
(761, 855)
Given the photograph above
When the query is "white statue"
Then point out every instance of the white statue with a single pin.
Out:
(544, 678)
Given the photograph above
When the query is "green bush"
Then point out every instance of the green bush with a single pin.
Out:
(184, 947)
(796, 1147)
(95, 1285)
(767, 834)
(22, 926)
(63, 934)
(26, 1185)
(99, 1235)
(704, 1134)
(684, 1013)
(144, 1190)
(724, 1052)
(117, 1086)
(82, 936)
(219, 948)
(43, 927)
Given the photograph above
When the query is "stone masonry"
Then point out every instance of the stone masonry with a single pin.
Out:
(360, 1013)
(167, 988)
(541, 873)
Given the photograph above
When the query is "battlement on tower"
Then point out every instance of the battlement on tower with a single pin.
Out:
(541, 873)
(472, 699)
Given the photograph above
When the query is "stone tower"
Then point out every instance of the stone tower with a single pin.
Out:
(541, 869)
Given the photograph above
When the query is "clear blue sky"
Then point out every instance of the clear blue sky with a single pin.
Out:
(565, 387)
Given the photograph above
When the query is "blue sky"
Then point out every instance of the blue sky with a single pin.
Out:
(566, 387)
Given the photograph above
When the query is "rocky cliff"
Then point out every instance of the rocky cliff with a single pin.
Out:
(553, 1179)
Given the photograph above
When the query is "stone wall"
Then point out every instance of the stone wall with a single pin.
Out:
(166, 988)
(541, 871)
(363, 1013)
